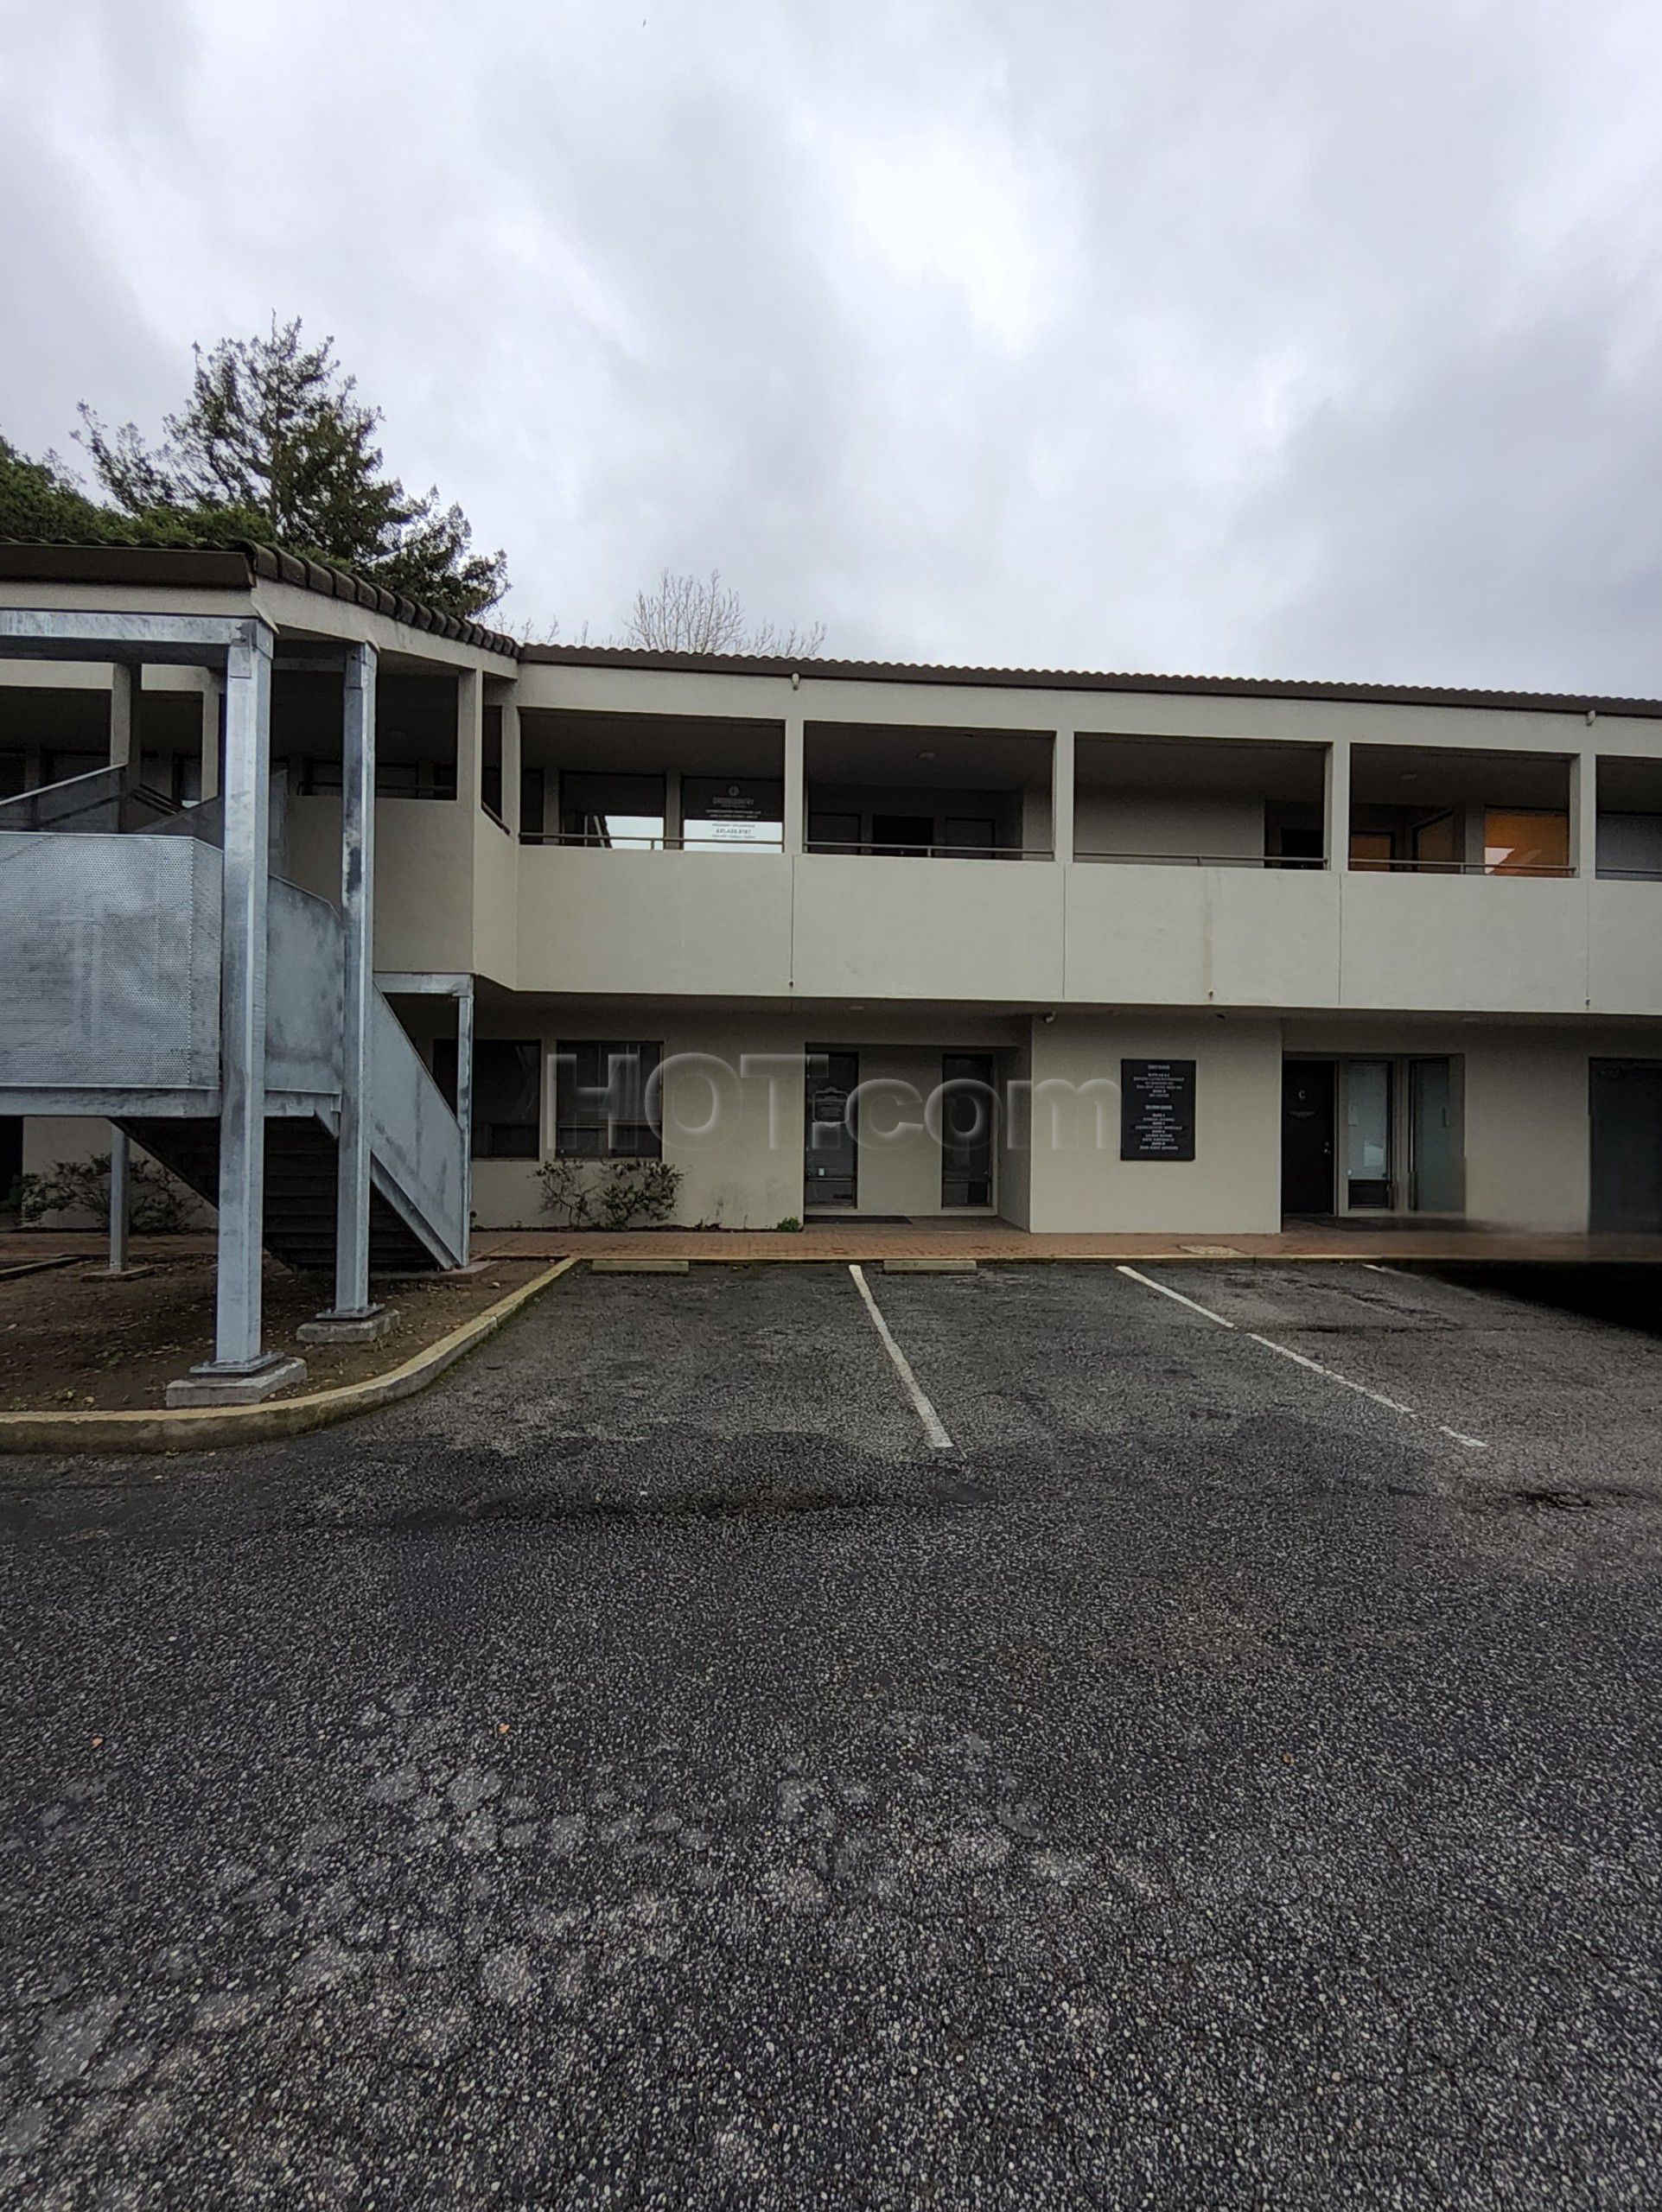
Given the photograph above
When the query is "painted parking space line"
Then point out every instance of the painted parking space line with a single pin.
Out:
(934, 1427)
(1344, 1382)
(1315, 1366)
(1166, 1291)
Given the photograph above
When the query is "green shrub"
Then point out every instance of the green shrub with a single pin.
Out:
(568, 1193)
(790, 1222)
(628, 1194)
(158, 1205)
(638, 1191)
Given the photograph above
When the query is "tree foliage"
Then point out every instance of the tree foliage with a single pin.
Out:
(38, 499)
(686, 614)
(274, 444)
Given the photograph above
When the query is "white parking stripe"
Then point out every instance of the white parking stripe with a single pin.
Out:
(1343, 1381)
(1149, 1283)
(1393, 1405)
(934, 1427)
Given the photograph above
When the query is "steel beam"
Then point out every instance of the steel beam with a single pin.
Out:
(189, 640)
(396, 982)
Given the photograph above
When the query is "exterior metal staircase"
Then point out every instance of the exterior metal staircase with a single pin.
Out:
(109, 914)
(300, 1187)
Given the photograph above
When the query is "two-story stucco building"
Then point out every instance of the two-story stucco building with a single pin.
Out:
(1221, 952)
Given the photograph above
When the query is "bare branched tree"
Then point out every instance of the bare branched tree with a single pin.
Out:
(701, 614)
(549, 632)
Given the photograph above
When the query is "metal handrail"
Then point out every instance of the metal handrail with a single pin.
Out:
(1453, 868)
(871, 849)
(592, 841)
(1208, 860)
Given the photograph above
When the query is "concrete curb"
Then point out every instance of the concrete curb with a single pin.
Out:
(210, 1428)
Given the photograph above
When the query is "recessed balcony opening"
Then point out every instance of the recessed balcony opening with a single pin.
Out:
(1630, 820)
(651, 783)
(1427, 811)
(1198, 802)
(415, 733)
(927, 794)
(50, 734)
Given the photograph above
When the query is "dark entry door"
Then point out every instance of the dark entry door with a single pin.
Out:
(11, 1154)
(829, 1163)
(966, 1106)
(1624, 1097)
(1307, 1136)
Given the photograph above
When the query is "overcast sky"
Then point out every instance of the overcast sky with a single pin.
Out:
(1273, 337)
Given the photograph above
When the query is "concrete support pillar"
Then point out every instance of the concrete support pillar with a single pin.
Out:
(1335, 804)
(795, 778)
(1584, 814)
(126, 682)
(120, 1200)
(471, 739)
(1061, 795)
(353, 1317)
(241, 1370)
(511, 759)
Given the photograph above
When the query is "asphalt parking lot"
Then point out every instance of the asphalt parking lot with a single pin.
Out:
(1215, 1764)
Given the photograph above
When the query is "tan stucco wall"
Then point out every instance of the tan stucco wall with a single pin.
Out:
(1078, 1180)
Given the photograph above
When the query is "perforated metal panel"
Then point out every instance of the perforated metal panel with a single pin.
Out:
(303, 991)
(108, 962)
(416, 1140)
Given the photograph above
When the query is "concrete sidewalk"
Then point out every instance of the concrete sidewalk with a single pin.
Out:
(962, 1239)
(951, 1236)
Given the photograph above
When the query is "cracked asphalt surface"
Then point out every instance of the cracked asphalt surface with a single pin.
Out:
(641, 1772)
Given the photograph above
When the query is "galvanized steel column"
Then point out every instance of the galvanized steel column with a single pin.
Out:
(358, 916)
(120, 1161)
(125, 680)
(464, 1110)
(242, 1000)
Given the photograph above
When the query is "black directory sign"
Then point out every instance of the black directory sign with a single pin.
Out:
(1156, 1109)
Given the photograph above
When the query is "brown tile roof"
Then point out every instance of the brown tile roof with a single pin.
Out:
(1062, 679)
(191, 568)
(234, 568)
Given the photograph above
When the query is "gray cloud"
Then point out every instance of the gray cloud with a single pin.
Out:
(1234, 334)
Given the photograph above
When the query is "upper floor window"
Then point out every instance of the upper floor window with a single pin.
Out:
(608, 810)
(1526, 842)
(393, 779)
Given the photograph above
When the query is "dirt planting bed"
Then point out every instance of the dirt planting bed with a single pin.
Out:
(73, 1340)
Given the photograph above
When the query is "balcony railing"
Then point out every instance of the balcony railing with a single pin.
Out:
(590, 841)
(1206, 860)
(871, 850)
(1458, 868)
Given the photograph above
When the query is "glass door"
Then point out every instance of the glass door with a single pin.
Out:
(966, 1128)
(1367, 1135)
(1434, 1167)
(830, 1159)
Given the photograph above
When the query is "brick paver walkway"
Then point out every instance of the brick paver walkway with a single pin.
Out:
(955, 1239)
